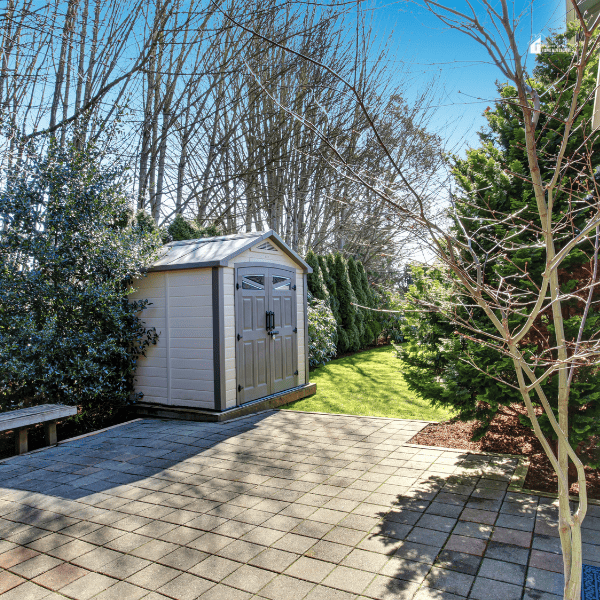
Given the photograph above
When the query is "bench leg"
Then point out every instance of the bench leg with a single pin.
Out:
(50, 428)
(21, 441)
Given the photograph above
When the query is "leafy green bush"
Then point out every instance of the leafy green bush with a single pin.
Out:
(392, 324)
(322, 333)
(68, 254)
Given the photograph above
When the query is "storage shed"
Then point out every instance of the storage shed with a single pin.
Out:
(232, 322)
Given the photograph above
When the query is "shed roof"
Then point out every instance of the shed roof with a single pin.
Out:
(217, 251)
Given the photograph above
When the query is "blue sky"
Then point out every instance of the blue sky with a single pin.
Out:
(466, 77)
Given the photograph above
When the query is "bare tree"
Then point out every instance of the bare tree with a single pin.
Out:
(462, 255)
(174, 82)
(288, 178)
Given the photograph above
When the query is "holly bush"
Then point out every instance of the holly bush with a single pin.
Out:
(69, 251)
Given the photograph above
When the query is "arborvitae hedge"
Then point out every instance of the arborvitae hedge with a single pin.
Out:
(367, 290)
(373, 321)
(330, 285)
(329, 268)
(362, 316)
(342, 284)
(316, 284)
(349, 321)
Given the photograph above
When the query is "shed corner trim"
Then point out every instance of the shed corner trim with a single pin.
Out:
(218, 320)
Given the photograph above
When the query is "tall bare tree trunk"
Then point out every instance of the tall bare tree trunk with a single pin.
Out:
(60, 73)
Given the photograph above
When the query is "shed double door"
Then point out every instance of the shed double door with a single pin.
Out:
(266, 331)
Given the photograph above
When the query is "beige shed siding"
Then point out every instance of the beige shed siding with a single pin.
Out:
(151, 376)
(279, 257)
(229, 322)
(179, 370)
(191, 338)
(184, 300)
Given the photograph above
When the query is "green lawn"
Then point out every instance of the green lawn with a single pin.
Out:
(368, 383)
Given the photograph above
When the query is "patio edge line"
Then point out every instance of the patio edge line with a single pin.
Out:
(518, 478)
(312, 412)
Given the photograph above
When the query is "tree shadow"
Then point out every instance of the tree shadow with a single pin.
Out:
(118, 457)
(416, 531)
(167, 464)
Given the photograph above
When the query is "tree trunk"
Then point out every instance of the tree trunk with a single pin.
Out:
(60, 73)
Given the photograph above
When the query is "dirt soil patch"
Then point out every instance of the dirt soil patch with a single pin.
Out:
(505, 436)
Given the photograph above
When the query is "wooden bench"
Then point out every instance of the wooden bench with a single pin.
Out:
(21, 419)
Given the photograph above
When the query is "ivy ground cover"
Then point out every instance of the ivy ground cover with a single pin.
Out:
(368, 383)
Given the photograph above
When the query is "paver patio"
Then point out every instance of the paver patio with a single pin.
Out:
(280, 506)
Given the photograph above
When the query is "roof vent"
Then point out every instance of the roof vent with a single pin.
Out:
(266, 246)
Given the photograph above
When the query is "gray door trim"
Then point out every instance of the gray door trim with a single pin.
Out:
(238, 358)
(294, 324)
(266, 265)
(218, 322)
(305, 300)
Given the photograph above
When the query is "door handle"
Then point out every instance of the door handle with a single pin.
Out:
(271, 333)
(270, 320)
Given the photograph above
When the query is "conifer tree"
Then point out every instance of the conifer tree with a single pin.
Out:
(356, 282)
(146, 223)
(346, 297)
(327, 269)
(330, 285)
(334, 304)
(367, 289)
(370, 295)
(362, 315)
(492, 178)
(183, 229)
(316, 283)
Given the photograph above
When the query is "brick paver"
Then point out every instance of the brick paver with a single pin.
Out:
(280, 505)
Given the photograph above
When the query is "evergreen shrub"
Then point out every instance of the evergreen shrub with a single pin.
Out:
(322, 333)
(444, 365)
(316, 283)
(361, 314)
(346, 297)
(372, 300)
(341, 284)
(69, 250)
(183, 229)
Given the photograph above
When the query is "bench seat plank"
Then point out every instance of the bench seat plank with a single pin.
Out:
(32, 415)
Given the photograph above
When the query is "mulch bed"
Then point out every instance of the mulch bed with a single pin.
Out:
(505, 436)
